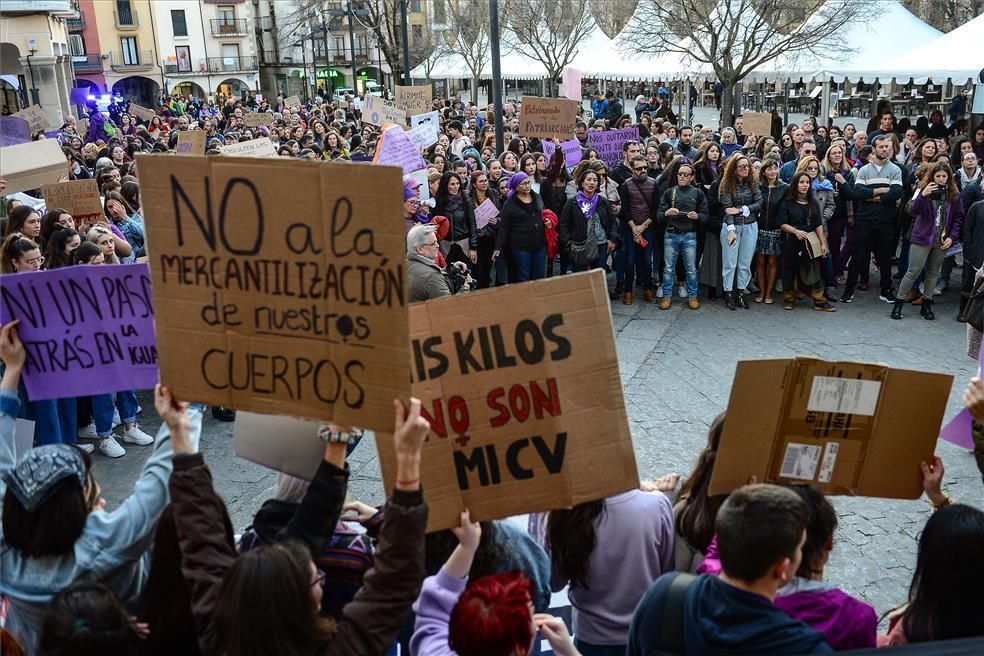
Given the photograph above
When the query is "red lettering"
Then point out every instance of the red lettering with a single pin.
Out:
(492, 400)
(549, 400)
(519, 401)
(437, 419)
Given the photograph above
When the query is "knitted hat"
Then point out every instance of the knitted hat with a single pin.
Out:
(514, 182)
(40, 469)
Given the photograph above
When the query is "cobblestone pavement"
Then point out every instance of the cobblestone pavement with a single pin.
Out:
(677, 367)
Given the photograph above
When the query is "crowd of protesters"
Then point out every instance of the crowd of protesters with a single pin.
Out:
(802, 211)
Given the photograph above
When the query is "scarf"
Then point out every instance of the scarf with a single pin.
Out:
(454, 202)
(587, 205)
(514, 182)
(819, 184)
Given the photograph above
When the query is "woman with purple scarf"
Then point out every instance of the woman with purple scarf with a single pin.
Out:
(588, 227)
(521, 231)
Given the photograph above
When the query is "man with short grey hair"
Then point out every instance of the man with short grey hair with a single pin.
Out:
(425, 278)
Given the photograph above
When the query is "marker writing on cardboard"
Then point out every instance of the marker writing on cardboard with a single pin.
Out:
(486, 461)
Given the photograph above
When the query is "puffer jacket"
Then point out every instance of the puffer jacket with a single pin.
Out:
(742, 196)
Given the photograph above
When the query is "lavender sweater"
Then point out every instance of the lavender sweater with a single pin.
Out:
(633, 547)
(437, 599)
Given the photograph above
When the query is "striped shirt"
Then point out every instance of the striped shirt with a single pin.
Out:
(871, 177)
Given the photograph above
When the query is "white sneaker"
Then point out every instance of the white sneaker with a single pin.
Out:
(89, 432)
(659, 291)
(139, 409)
(88, 448)
(110, 448)
(136, 436)
(116, 418)
(682, 292)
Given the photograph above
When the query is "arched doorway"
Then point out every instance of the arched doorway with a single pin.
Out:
(12, 73)
(231, 87)
(138, 89)
(187, 89)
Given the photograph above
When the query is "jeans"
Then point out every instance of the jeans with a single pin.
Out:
(638, 260)
(676, 244)
(102, 410)
(600, 263)
(738, 257)
(54, 421)
(919, 256)
(871, 237)
(527, 265)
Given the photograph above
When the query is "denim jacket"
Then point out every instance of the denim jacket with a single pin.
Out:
(133, 231)
(113, 547)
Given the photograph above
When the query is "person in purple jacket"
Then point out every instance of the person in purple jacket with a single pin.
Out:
(845, 622)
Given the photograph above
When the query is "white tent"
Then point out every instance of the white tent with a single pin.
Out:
(513, 64)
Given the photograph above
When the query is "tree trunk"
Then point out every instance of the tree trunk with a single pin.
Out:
(727, 104)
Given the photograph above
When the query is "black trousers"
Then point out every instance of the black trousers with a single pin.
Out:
(877, 237)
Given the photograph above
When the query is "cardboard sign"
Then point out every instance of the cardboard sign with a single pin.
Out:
(423, 135)
(292, 101)
(30, 165)
(191, 143)
(485, 213)
(257, 119)
(280, 285)
(297, 450)
(395, 147)
(757, 123)
(547, 117)
(259, 147)
(414, 100)
(526, 406)
(608, 144)
(144, 114)
(87, 329)
(844, 427)
(430, 118)
(80, 198)
(378, 111)
(571, 149)
(14, 130)
(35, 117)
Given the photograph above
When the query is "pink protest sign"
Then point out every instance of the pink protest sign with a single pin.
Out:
(396, 148)
(571, 149)
(485, 213)
(87, 329)
(958, 430)
(608, 144)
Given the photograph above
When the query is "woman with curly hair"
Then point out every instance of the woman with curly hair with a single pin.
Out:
(741, 199)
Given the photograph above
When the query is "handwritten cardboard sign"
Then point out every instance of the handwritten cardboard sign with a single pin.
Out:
(571, 149)
(80, 198)
(257, 119)
(190, 143)
(432, 118)
(423, 135)
(33, 164)
(87, 329)
(396, 148)
(414, 100)
(485, 212)
(280, 285)
(292, 101)
(35, 117)
(608, 144)
(259, 147)
(757, 123)
(14, 130)
(141, 112)
(547, 117)
(378, 111)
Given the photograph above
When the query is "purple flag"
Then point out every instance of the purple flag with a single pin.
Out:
(87, 329)
(14, 130)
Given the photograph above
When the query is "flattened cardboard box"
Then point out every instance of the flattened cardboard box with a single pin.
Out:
(845, 427)
(279, 285)
(31, 165)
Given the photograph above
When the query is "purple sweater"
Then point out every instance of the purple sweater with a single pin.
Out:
(633, 547)
(845, 622)
(437, 599)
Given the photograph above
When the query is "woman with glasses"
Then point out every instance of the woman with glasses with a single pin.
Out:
(969, 172)
(479, 192)
(741, 199)
(522, 233)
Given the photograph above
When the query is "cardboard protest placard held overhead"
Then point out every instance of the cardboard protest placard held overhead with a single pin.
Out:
(257, 119)
(80, 198)
(298, 449)
(88, 330)
(35, 117)
(190, 143)
(395, 147)
(14, 130)
(608, 144)
(843, 427)
(571, 148)
(33, 164)
(280, 285)
(423, 135)
(143, 113)
(292, 101)
(431, 118)
(378, 111)
(547, 117)
(259, 147)
(414, 100)
(757, 123)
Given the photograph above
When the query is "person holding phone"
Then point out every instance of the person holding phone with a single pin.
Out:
(938, 214)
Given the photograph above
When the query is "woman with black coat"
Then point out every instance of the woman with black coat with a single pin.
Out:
(461, 243)
(588, 223)
(521, 231)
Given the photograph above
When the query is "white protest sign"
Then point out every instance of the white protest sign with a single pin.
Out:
(261, 147)
(423, 135)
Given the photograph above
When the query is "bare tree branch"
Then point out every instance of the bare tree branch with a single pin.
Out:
(549, 31)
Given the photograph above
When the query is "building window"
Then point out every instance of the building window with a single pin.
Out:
(338, 46)
(440, 12)
(124, 13)
(415, 5)
(227, 14)
(129, 46)
(361, 45)
(178, 23)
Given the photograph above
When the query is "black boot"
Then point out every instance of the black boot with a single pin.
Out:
(729, 300)
(712, 293)
(897, 308)
(927, 310)
(961, 316)
(740, 299)
(223, 414)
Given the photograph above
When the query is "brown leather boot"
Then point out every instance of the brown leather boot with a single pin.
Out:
(627, 298)
(648, 296)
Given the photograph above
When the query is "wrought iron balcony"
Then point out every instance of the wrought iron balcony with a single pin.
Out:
(229, 27)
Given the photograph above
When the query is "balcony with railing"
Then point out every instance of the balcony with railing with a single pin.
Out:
(126, 18)
(209, 66)
(90, 62)
(76, 24)
(229, 27)
(139, 60)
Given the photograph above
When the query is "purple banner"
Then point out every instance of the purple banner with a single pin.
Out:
(14, 130)
(88, 329)
(608, 144)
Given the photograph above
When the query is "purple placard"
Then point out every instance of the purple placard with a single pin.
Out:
(571, 148)
(14, 130)
(396, 148)
(608, 144)
(88, 329)
(485, 213)
(548, 148)
(958, 430)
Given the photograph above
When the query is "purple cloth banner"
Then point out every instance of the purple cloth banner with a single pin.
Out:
(88, 329)
(14, 130)
(608, 144)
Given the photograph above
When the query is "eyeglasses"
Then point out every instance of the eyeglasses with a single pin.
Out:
(684, 174)
(319, 579)
(812, 168)
(741, 166)
(430, 244)
(36, 261)
(481, 181)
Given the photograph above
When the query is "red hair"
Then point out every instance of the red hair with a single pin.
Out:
(492, 617)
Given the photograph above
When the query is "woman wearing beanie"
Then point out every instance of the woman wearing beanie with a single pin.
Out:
(521, 231)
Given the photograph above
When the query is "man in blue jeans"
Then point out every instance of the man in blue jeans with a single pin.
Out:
(683, 207)
(638, 216)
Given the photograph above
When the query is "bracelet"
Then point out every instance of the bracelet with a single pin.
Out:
(338, 437)
(947, 501)
(408, 483)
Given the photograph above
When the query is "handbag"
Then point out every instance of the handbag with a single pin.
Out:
(584, 253)
(974, 312)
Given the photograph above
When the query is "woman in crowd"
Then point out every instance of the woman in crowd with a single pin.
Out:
(60, 247)
(24, 220)
(696, 509)
(88, 253)
(588, 227)
(741, 199)
(840, 224)
(509, 162)
(798, 216)
(462, 242)
(522, 233)
(969, 172)
(769, 245)
(938, 214)
(119, 212)
(706, 165)
(823, 192)
(729, 143)
(479, 191)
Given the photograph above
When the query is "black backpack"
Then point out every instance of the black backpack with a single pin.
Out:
(669, 641)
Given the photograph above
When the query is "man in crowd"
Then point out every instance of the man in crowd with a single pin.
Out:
(623, 171)
(613, 109)
(807, 147)
(458, 139)
(638, 216)
(425, 279)
(598, 105)
(684, 146)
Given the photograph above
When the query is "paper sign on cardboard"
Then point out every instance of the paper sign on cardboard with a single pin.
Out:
(297, 449)
(608, 144)
(378, 111)
(80, 198)
(571, 149)
(14, 130)
(423, 135)
(88, 330)
(396, 148)
(190, 143)
(259, 147)
(35, 117)
(141, 112)
(547, 117)
(30, 165)
(257, 119)
(292, 101)
(844, 427)
(280, 285)
(757, 123)
(414, 100)
(432, 118)
(485, 213)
